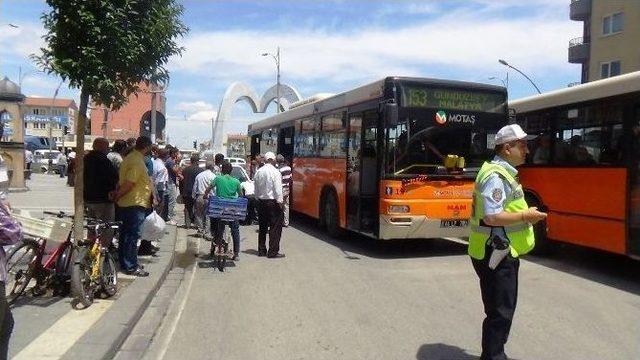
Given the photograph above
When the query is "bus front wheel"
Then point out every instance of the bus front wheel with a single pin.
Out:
(331, 217)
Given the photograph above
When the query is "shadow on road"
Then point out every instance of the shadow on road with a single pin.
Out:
(353, 245)
(39, 301)
(617, 271)
(443, 352)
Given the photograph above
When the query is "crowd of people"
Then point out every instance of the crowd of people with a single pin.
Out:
(133, 178)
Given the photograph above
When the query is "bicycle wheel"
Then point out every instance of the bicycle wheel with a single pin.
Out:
(20, 267)
(109, 275)
(82, 287)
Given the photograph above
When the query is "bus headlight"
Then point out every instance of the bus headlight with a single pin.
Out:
(399, 209)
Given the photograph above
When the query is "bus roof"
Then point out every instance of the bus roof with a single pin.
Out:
(358, 95)
(617, 85)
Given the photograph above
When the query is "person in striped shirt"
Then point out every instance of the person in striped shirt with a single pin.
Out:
(285, 170)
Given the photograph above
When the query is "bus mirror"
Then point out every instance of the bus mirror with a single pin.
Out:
(391, 113)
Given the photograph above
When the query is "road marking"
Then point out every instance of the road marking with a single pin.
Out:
(183, 304)
(61, 336)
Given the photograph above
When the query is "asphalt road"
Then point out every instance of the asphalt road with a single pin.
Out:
(358, 299)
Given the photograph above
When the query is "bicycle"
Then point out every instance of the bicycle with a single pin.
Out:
(25, 260)
(94, 266)
(226, 211)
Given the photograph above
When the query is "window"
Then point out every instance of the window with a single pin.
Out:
(609, 69)
(612, 24)
(38, 111)
(333, 136)
(305, 142)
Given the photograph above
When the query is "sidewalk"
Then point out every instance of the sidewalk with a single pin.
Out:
(105, 337)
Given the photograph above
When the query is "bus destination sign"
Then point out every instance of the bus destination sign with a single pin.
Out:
(422, 97)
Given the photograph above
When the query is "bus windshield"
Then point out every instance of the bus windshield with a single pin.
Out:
(416, 149)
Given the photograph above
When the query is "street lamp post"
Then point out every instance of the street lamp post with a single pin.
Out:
(55, 95)
(276, 57)
(505, 81)
(521, 73)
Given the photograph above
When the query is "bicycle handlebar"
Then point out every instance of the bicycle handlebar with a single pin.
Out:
(90, 221)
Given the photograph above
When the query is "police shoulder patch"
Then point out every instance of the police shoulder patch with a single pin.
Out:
(497, 194)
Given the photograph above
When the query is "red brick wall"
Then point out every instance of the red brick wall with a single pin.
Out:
(127, 118)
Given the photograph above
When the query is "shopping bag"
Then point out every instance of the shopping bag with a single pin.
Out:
(152, 227)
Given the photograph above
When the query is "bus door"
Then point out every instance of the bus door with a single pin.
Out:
(285, 143)
(362, 172)
(255, 144)
(633, 244)
(369, 199)
(353, 171)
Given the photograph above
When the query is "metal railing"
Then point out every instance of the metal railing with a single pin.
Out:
(577, 41)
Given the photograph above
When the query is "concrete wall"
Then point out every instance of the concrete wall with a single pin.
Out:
(622, 46)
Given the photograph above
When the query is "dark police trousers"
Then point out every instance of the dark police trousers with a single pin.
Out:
(499, 290)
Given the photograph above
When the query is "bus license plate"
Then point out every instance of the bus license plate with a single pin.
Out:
(454, 223)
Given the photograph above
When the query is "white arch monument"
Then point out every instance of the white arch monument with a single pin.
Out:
(239, 91)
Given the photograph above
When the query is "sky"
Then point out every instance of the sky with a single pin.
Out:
(326, 47)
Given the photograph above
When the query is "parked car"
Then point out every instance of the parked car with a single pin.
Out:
(41, 160)
(237, 161)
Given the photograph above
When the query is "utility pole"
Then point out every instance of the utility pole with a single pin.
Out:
(278, 78)
(154, 102)
(155, 90)
(55, 94)
(276, 57)
(104, 122)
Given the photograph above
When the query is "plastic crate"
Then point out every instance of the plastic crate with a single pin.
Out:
(54, 230)
(227, 209)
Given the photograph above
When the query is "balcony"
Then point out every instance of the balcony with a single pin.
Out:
(578, 50)
(580, 10)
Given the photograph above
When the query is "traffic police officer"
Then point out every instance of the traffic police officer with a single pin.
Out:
(500, 210)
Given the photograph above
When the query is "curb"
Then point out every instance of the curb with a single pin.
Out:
(103, 339)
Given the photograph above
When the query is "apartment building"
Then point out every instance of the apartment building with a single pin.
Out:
(609, 43)
(43, 114)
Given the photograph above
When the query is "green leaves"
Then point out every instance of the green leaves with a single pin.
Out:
(109, 47)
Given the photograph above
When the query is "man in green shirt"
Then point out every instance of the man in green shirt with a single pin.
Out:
(226, 187)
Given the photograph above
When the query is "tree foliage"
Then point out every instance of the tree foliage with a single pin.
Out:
(108, 48)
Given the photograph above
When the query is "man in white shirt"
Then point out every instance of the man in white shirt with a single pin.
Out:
(61, 161)
(268, 183)
(200, 185)
(28, 160)
(160, 178)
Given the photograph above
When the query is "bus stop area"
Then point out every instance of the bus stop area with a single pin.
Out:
(52, 326)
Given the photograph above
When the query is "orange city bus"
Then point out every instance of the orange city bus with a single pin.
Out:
(584, 164)
(394, 159)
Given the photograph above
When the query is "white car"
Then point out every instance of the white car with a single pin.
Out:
(247, 184)
(41, 159)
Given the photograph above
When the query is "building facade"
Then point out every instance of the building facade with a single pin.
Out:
(609, 43)
(49, 117)
(133, 119)
(11, 135)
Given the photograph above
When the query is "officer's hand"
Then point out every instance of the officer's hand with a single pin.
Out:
(532, 215)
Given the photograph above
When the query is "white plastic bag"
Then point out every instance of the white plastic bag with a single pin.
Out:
(152, 227)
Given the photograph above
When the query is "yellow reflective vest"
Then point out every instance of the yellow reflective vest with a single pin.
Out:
(520, 234)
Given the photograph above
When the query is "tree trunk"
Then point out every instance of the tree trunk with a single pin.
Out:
(78, 192)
